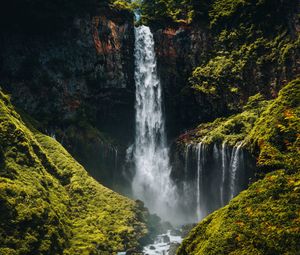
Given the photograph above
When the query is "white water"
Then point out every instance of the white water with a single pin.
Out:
(216, 174)
(199, 179)
(234, 166)
(224, 163)
(162, 246)
(151, 182)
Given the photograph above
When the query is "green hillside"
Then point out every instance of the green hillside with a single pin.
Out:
(49, 204)
(265, 218)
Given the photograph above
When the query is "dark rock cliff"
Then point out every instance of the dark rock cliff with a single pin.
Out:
(213, 46)
(179, 49)
(77, 81)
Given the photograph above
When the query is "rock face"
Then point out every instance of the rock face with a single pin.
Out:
(267, 201)
(179, 50)
(270, 60)
(76, 81)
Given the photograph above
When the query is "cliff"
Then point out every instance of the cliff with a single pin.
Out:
(214, 55)
(263, 219)
(72, 70)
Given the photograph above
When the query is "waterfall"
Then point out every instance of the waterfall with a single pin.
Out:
(199, 150)
(217, 172)
(186, 158)
(224, 164)
(151, 182)
(234, 165)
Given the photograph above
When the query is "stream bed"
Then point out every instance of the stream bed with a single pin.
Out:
(164, 244)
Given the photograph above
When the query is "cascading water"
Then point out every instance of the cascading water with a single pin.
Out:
(216, 174)
(224, 163)
(235, 161)
(212, 175)
(151, 182)
(199, 178)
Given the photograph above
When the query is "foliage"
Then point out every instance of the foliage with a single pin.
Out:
(125, 5)
(265, 218)
(262, 220)
(233, 129)
(269, 129)
(276, 134)
(167, 10)
(252, 44)
(49, 204)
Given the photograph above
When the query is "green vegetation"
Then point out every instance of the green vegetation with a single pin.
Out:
(268, 127)
(125, 5)
(262, 220)
(265, 218)
(276, 134)
(253, 42)
(173, 11)
(233, 129)
(158, 11)
(49, 204)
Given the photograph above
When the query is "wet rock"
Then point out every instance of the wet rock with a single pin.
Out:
(175, 232)
(173, 248)
(166, 239)
(186, 229)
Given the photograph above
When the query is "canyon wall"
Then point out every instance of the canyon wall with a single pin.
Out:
(200, 63)
(76, 78)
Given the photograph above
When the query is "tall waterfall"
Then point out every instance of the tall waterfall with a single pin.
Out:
(151, 182)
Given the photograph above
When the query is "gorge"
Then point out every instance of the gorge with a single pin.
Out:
(124, 136)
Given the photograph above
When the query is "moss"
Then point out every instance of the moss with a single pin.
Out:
(276, 134)
(253, 46)
(265, 218)
(232, 129)
(269, 129)
(50, 205)
(159, 11)
(262, 220)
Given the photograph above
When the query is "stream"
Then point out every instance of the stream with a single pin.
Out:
(163, 245)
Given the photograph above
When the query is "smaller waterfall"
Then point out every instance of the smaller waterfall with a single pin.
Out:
(213, 174)
(224, 164)
(199, 179)
(186, 170)
(187, 150)
(234, 167)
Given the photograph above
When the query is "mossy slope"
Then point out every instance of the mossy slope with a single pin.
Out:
(49, 204)
(262, 220)
(270, 129)
(265, 218)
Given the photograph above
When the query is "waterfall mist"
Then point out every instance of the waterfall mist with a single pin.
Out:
(151, 182)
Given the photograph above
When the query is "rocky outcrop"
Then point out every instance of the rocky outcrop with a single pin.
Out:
(268, 204)
(180, 48)
(224, 81)
(76, 81)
